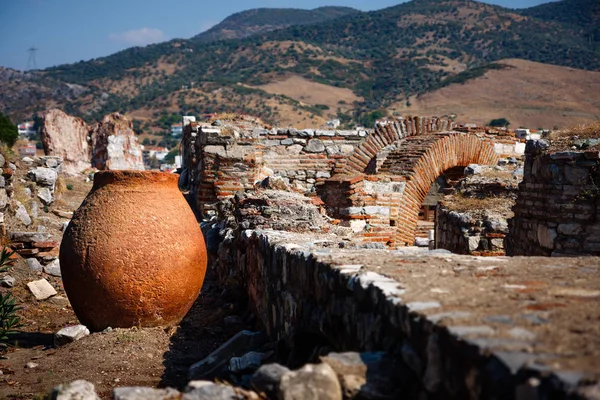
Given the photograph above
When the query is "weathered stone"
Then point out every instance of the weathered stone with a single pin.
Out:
(311, 382)
(267, 379)
(4, 199)
(34, 264)
(29, 237)
(217, 362)
(571, 229)
(70, 334)
(53, 268)
(145, 393)
(66, 136)
(248, 362)
(22, 215)
(41, 289)
(205, 390)
(115, 146)
(473, 169)
(7, 281)
(43, 176)
(63, 214)
(314, 146)
(576, 175)
(546, 236)
(45, 195)
(76, 390)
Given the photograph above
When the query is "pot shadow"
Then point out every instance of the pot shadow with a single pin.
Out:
(203, 330)
(28, 340)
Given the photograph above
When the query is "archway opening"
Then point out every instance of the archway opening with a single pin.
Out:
(444, 184)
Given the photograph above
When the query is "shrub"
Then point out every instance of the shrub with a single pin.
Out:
(9, 320)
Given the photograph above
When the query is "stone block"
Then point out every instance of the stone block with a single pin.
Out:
(76, 390)
(145, 393)
(569, 229)
(311, 382)
(41, 289)
(70, 334)
(314, 146)
(546, 236)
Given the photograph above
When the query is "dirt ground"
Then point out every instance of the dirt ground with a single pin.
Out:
(156, 357)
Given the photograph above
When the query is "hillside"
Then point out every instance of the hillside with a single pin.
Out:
(302, 75)
(583, 16)
(251, 22)
(526, 93)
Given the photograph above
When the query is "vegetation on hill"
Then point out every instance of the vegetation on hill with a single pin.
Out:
(581, 16)
(383, 56)
(260, 20)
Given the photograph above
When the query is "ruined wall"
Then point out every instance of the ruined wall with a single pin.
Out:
(66, 137)
(460, 233)
(557, 210)
(219, 160)
(115, 146)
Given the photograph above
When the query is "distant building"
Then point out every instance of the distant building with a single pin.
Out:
(176, 130)
(187, 119)
(27, 150)
(334, 123)
(157, 152)
(26, 128)
(522, 133)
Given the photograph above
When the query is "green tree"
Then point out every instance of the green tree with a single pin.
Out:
(8, 131)
(499, 122)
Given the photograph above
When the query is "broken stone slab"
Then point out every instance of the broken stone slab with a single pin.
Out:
(314, 146)
(34, 264)
(45, 196)
(216, 363)
(29, 237)
(267, 379)
(63, 214)
(43, 176)
(70, 334)
(249, 361)
(371, 375)
(7, 281)
(204, 390)
(53, 268)
(76, 390)
(318, 382)
(21, 214)
(41, 289)
(145, 393)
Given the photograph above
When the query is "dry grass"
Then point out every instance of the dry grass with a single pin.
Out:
(531, 94)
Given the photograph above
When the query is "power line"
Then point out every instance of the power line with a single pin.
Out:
(31, 61)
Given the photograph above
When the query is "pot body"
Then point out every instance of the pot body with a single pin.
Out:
(133, 254)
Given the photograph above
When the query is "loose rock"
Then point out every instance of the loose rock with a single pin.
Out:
(77, 390)
(41, 289)
(318, 382)
(53, 268)
(70, 334)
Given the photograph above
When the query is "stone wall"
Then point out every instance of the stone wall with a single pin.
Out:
(302, 286)
(66, 137)
(108, 145)
(219, 160)
(460, 233)
(115, 146)
(558, 208)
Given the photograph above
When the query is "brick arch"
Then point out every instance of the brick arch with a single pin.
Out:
(390, 132)
(420, 161)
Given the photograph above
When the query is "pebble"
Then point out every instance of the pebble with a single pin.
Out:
(8, 281)
(31, 365)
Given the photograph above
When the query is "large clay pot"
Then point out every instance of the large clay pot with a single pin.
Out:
(133, 254)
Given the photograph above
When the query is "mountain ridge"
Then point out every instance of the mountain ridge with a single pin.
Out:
(384, 57)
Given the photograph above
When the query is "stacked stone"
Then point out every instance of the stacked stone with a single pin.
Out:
(558, 207)
(6, 191)
(460, 233)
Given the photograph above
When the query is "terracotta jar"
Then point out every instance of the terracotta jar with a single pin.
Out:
(133, 254)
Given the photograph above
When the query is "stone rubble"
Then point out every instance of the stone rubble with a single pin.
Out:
(70, 334)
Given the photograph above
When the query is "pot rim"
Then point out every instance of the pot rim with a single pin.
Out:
(133, 177)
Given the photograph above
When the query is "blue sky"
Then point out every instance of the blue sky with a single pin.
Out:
(67, 31)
